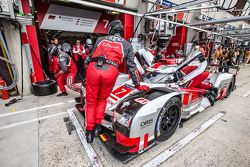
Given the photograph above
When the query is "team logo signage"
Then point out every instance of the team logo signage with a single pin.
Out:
(76, 20)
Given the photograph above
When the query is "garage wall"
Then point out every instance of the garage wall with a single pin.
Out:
(14, 45)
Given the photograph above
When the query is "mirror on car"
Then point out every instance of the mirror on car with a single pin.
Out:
(228, 4)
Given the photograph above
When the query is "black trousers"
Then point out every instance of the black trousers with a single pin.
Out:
(80, 66)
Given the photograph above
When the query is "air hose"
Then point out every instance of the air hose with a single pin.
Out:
(13, 66)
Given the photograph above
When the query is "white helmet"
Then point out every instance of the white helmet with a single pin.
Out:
(89, 42)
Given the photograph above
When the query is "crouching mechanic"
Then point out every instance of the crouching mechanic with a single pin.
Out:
(64, 71)
(108, 53)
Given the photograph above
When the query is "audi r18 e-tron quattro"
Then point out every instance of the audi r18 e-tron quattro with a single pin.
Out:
(136, 120)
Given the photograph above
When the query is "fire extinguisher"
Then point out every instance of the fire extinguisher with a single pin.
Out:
(32, 76)
(5, 93)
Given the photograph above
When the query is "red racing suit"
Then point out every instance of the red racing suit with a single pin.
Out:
(101, 80)
(65, 71)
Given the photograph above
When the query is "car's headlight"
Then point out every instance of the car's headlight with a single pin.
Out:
(123, 119)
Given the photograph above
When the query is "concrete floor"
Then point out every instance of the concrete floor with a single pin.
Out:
(27, 142)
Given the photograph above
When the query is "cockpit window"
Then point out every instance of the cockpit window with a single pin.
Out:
(156, 77)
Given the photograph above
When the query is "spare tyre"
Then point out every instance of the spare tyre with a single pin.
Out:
(44, 88)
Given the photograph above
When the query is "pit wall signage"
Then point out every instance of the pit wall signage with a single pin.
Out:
(76, 20)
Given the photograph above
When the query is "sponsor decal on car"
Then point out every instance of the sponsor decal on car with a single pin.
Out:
(146, 123)
(142, 100)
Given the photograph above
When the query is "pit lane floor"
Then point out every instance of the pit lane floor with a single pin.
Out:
(32, 133)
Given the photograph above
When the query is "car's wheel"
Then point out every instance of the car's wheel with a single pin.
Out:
(44, 88)
(168, 119)
(230, 87)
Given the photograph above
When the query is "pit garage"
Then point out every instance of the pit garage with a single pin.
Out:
(192, 55)
(69, 23)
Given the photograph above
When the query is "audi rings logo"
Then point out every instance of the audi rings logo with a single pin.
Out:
(146, 123)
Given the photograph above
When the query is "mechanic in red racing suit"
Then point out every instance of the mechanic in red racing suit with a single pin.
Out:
(108, 53)
(64, 71)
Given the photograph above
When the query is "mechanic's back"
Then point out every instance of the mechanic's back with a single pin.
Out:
(114, 48)
(108, 54)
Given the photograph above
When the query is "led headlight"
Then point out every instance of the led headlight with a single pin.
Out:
(123, 119)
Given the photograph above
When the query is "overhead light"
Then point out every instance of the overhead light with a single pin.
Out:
(113, 12)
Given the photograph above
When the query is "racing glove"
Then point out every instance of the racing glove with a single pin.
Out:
(142, 88)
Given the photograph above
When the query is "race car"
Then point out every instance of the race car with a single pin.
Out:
(136, 120)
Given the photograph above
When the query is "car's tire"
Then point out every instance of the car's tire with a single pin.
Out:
(168, 119)
(44, 88)
(230, 87)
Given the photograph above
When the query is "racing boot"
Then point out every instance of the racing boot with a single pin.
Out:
(89, 136)
(97, 130)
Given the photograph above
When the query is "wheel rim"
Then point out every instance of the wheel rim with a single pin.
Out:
(169, 119)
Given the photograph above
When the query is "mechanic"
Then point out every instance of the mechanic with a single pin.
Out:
(108, 53)
(79, 55)
(88, 46)
(64, 71)
(67, 48)
(51, 42)
(56, 42)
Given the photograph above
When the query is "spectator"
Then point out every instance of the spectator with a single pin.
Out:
(247, 57)
(235, 55)
(224, 60)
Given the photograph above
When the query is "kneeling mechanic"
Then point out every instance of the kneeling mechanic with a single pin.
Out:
(64, 71)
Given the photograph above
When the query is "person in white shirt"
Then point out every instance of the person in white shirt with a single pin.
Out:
(79, 56)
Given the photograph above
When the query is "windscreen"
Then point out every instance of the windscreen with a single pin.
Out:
(157, 77)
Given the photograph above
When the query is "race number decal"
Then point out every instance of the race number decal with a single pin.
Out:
(120, 92)
(106, 23)
(142, 100)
